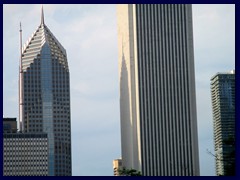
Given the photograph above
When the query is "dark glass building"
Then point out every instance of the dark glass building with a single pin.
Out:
(157, 89)
(9, 125)
(223, 105)
(46, 96)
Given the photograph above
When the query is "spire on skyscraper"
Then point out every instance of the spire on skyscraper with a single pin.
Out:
(44, 60)
(42, 16)
(21, 94)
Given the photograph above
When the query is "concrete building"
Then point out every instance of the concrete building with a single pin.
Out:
(117, 164)
(25, 154)
(45, 96)
(223, 105)
(157, 89)
(9, 125)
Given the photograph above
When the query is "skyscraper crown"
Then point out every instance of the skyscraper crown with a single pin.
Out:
(42, 36)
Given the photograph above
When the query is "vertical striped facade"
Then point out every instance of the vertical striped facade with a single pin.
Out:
(157, 89)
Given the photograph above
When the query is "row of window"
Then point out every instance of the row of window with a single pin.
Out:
(34, 149)
(37, 117)
(34, 74)
(27, 157)
(63, 92)
(36, 64)
(37, 108)
(10, 173)
(18, 171)
(29, 144)
(57, 97)
(34, 162)
(21, 138)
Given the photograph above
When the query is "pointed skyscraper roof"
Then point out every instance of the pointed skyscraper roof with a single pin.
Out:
(46, 97)
(42, 16)
(43, 36)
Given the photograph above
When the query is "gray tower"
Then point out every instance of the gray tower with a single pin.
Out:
(223, 105)
(157, 89)
(46, 92)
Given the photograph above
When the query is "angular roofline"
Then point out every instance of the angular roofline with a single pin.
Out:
(223, 73)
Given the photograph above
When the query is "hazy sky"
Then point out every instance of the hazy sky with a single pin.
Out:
(89, 35)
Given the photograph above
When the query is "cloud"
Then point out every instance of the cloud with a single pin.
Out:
(214, 24)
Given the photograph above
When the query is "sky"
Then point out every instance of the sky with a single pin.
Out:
(89, 35)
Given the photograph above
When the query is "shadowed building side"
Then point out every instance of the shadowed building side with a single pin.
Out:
(129, 125)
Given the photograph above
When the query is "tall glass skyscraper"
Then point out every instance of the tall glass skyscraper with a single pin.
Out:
(45, 96)
(223, 105)
(157, 89)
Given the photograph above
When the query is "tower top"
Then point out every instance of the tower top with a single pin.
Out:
(42, 16)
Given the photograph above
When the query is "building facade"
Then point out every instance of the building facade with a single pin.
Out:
(25, 154)
(9, 125)
(117, 164)
(45, 91)
(157, 89)
(223, 105)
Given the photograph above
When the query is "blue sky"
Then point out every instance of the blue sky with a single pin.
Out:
(89, 34)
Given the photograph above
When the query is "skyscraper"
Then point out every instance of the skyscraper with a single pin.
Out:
(45, 96)
(157, 89)
(223, 105)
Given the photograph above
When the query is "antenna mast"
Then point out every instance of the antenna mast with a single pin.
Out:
(42, 16)
(21, 87)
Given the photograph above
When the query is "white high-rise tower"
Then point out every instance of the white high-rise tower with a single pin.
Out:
(157, 89)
